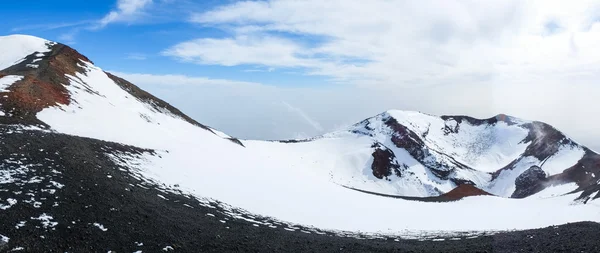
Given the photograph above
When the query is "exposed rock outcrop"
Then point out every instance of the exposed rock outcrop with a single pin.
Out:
(530, 180)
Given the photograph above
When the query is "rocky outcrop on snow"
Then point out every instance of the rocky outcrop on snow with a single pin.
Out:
(384, 162)
(528, 182)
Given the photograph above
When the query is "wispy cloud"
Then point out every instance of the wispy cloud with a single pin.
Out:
(178, 80)
(253, 70)
(126, 11)
(136, 56)
(68, 37)
(53, 26)
(313, 123)
(271, 69)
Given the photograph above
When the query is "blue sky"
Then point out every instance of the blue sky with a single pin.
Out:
(136, 45)
(276, 69)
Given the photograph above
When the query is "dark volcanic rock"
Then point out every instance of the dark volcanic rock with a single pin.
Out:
(403, 137)
(41, 87)
(545, 140)
(528, 182)
(477, 122)
(384, 162)
(586, 173)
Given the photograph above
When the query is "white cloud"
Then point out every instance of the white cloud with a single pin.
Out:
(136, 56)
(313, 123)
(270, 69)
(178, 80)
(68, 37)
(383, 42)
(50, 26)
(127, 10)
(261, 50)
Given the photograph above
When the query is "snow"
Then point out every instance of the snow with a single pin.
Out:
(302, 199)
(7, 81)
(504, 185)
(100, 226)
(3, 239)
(555, 190)
(57, 185)
(10, 202)
(98, 106)
(17, 47)
(46, 220)
(485, 148)
(566, 157)
(220, 134)
(20, 224)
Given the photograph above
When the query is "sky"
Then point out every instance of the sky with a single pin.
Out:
(280, 69)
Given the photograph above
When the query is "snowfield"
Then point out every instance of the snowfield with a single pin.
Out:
(17, 47)
(504, 185)
(566, 157)
(483, 147)
(303, 195)
(7, 81)
(304, 182)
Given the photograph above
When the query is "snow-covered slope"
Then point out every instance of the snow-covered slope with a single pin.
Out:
(88, 102)
(16, 47)
(108, 112)
(444, 152)
(486, 147)
(322, 181)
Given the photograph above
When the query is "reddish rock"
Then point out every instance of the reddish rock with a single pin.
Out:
(464, 190)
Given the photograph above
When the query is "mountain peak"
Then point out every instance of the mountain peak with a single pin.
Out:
(489, 153)
(24, 41)
(51, 85)
(15, 47)
(40, 77)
